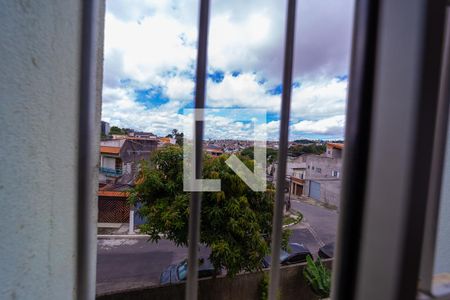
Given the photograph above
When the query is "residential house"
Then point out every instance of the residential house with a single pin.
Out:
(297, 178)
(163, 141)
(142, 135)
(214, 150)
(334, 150)
(318, 176)
(119, 166)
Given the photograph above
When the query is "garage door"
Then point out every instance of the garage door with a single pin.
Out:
(299, 190)
(314, 190)
(113, 210)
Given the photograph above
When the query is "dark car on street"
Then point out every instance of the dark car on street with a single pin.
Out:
(297, 254)
(327, 251)
(178, 272)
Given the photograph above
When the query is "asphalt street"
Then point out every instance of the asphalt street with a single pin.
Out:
(321, 220)
(134, 262)
(126, 263)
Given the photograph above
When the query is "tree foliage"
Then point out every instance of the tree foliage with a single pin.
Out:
(116, 130)
(304, 141)
(235, 222)
(318, 277)
(271, 154)
(304, 149)
(178, 136)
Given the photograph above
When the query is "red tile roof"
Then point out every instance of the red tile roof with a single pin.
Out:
(112, 193)
(336, 145)
(109, 150)
(140, 138)
(164, 140)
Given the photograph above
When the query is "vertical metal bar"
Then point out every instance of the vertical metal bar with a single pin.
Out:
(195, 205)
(283, 149)
(434, 195)
(86, 234)
(406, 82)
(357, 136)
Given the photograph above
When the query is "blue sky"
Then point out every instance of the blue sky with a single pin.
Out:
(150, 52)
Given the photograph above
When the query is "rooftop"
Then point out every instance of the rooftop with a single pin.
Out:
(336, 145)
(109, 150)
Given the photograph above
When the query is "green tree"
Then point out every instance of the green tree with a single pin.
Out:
(116, 130)
(304, 149)
(235, 222)
(271, 154)
(304, 141)
(178, 136)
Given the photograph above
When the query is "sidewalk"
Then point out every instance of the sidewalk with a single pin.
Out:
(118, 231)
(112, 228)
(311, 201)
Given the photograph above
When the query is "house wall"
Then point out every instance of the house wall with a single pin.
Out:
(113, 143)
(40, 50)
(325, 164)
(301, 174)
(243, 286)
(330, 190)
(329, 185)
(333, 152)
(136, 150)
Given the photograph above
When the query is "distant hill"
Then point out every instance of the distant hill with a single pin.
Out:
(305, 141)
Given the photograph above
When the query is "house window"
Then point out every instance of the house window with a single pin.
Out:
(319, 170)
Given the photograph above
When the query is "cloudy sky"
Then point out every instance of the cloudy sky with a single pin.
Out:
(150, 53)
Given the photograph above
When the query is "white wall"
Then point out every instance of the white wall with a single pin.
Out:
(113, 143)
(39, 99)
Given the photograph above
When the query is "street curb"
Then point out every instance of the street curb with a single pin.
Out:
(121, 236)
(294, 223)
(317, 203)
(290, 224)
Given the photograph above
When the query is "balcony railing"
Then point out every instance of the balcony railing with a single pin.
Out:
(111, 172)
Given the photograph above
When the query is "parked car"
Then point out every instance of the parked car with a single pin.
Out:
(297, 255)
(326, 251)
(178, 272)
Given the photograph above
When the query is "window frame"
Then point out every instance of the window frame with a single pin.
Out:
(371, 201)
(375, 42)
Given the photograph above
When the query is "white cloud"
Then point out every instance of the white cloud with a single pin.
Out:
(320, 105)
(120, 108)
(179, 88)
(145, 50)
(152, 44)
(243, 90)
(328, 126)
(313, 99)
(235, 45)
(319, 98)
(135, 9)
(244, 35)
